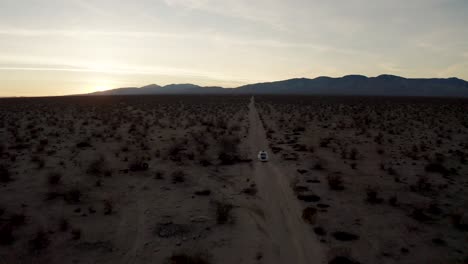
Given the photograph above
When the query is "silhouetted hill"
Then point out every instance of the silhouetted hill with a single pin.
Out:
(168, 89)
(383, 85)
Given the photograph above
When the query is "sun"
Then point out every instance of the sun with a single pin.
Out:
(100, 85)
(99, 88)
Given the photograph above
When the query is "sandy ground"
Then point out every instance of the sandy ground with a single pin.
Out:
(289, 239)
(175, 179)
(388, 176)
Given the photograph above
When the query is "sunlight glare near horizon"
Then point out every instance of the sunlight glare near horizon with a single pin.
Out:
(100, 85)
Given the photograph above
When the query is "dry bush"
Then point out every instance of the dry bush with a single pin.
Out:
(83, 144)
(54, 178)
(178, 176)
(6, 234)
(325, 142)
(108, 207)
(174, 150)
(138, 165)
(73, 196)
(64, 225)
(205, 162)
(344, 236)
(309, 215)
(422, 184)
(76, 233)
(205, 192)
(420, 215)
(98, 167)
(437, 168)
(335, 182)
(251, 190)
(183, 258)
(229, 153)
(40, 241)
(224, 212)
(159, 175)
(393, 201)
(17, 220)
(372, 196)
(5, 174)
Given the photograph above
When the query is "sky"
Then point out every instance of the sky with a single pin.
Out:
(59, 47)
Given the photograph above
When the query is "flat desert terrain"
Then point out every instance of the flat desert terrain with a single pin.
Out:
(175, 179)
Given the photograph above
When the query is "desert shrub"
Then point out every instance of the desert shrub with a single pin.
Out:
(320, 231)
(98, 183)
(318, 166)
(83, 144)
(324, 142)
(52, 195)
(343, 260)
(5, 175)
(223, 212)
(335, 182)
(204, 192)
(393, 201)
(6, 234)
(251, 190)
(54, 178)
(392, 171)
(353, 154)
(205, 162)
(64, 225)
(299, 188)
(419, 215)
(40, 241)
(108, 207)
(309, 214)
(372, 196)
(39, 162)
(437, 168)
(73, 196)
(44, 142)
(98, 167)
(174, 151)
(138, 165)
(344, 236)
(17, 220)
(422, 184)
(229, 151)
(434, 208)
(178, 176)
(76, 233)
(308, 197)
(184, 258)
(159, 175)
(170, 229)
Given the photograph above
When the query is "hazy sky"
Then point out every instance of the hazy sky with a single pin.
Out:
(54, 47)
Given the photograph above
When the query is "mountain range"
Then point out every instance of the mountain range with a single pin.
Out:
(382, 85)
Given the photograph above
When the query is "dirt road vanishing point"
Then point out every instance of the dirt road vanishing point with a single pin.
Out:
(290, 239)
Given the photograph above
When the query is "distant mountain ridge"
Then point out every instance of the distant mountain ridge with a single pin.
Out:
(382, 85)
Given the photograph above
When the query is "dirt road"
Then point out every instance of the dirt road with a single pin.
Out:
(289, 238)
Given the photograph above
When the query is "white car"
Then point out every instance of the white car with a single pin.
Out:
(262, 156)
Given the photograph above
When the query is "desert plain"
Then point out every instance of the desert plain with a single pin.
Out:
(175, 179)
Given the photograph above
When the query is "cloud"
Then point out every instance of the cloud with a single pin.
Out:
(24, 32)
(269, 13)
(174, 72)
